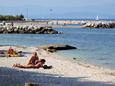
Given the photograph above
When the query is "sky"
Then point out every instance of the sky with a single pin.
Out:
(59, 8)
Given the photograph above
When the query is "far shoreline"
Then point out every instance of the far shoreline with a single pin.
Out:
(61, 23)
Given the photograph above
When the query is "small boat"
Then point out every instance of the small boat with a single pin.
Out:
(97, 18)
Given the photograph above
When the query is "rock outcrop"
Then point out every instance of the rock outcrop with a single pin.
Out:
(99, 25)
(55, 47)
(27, 30)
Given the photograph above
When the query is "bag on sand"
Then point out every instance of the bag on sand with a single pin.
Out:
(47, 67)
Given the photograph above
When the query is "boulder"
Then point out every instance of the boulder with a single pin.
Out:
(57, 47)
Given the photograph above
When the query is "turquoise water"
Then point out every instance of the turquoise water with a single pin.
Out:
(95, 46)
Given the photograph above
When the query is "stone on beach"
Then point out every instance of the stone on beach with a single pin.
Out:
(55, 47)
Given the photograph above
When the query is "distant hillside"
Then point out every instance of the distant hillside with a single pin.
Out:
(11, 17)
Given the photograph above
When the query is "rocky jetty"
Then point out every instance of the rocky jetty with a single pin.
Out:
(56, 47)
(27, 30)
(99, 25)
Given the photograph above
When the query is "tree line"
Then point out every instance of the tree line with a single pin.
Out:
(11, 17)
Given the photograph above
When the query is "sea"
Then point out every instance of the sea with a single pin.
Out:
(94, 46)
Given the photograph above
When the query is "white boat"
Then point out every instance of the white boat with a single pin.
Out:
(97, 18)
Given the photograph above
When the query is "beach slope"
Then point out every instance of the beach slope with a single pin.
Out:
(65, 72)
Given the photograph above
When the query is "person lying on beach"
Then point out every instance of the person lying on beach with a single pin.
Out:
(39, 64)
(34, 62)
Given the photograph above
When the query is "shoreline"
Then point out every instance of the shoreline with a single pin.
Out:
(63, 69)
(84, 63)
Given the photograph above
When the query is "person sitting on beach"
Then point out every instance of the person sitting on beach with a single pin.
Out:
(34, 59)
(39, 64)
(11, 52)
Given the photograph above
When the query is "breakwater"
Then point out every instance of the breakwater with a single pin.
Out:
(22, 28)
(99, 24)
(82, 23)
(34, 27)
(27, 30)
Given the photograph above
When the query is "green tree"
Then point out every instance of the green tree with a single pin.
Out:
(11, 17)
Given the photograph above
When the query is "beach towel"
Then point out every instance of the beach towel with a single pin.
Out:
(4, 53)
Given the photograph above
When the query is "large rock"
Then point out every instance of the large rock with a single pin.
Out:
(27, 30)
(55, 47)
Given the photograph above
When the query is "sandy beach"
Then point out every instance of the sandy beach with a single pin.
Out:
(65, 72)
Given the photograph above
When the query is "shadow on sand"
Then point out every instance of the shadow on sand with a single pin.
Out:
(13, 77)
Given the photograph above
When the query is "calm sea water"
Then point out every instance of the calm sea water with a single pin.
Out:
(95, 46)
